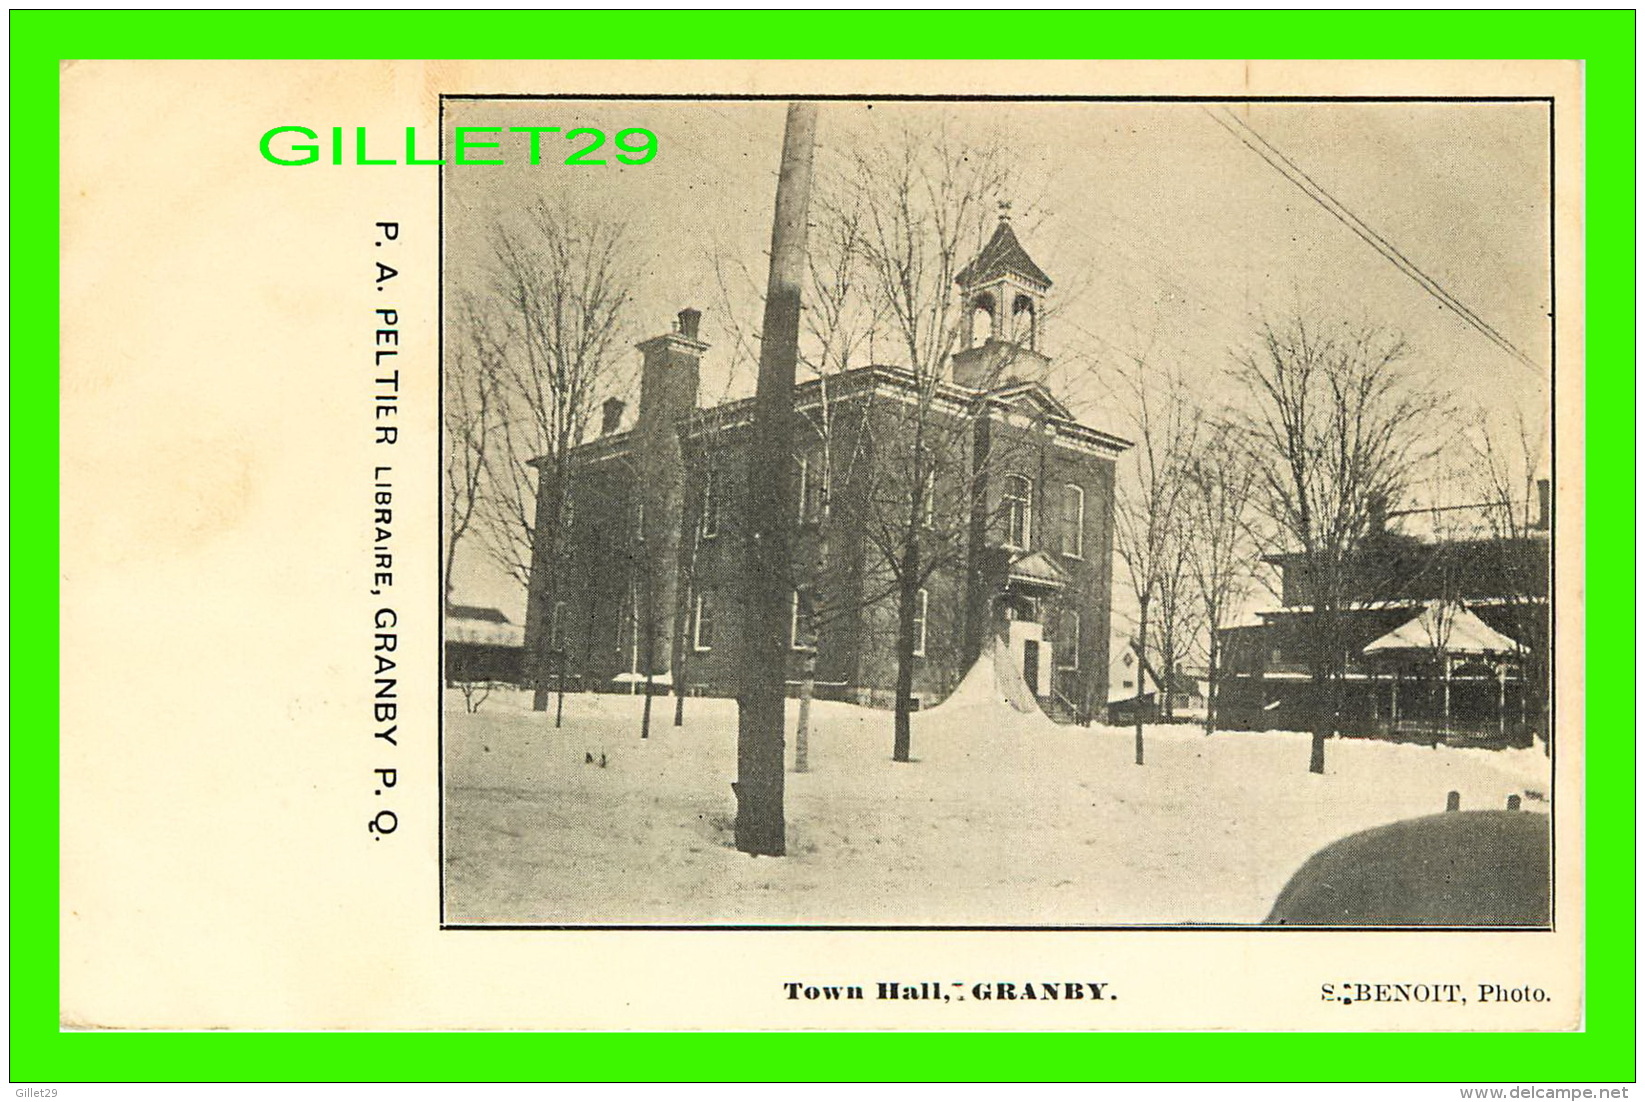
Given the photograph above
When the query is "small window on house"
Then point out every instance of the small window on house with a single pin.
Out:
(1019, 511)
(1073, 521)
(1068, 640)
(568, 511)
(702, 626)
(711, 505)
(556, 627)
(921, 600)
(801, 631)
(639, 520)
(928, 515)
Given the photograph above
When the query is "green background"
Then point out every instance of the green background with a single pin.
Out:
(1604, 1051)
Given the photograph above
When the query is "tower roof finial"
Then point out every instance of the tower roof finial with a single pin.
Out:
(1003, 254)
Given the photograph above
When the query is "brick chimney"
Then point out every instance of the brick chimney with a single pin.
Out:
(668, 396)
(668, 377)
(1544, 504)
(611, 415)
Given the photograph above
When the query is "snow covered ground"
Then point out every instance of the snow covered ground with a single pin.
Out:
(1002, 819)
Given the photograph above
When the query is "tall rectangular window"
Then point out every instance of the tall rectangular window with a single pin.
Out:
(812, 473)
(1019, 511)
(800, 629)
(702, 628)
(556, 627)
(711, 505)
(1073, 521)
(921, 600)
(1068, 640)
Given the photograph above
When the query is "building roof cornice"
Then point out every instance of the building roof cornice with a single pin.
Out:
(896, 382)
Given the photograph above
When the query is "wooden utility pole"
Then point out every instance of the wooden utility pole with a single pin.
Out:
(770, 496)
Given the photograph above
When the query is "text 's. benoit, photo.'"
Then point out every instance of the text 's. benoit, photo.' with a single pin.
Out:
(998, 513)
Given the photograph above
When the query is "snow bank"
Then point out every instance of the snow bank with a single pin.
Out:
(1003, 818)
(991, 699)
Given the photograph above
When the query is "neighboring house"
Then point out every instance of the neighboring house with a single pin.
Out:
(1187, 689)
(481, 645)
(1446, 635)
(1126, 669)
(649, 575)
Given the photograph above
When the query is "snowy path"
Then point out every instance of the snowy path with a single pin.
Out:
(1003, 819)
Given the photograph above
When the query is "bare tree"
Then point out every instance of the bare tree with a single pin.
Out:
(470, 409)
(1180, 617)
(560, 288)
(1507, 462)
(925, 204)
(894, 227)
(1336, 434)
(1221, 489)
(1150, 534)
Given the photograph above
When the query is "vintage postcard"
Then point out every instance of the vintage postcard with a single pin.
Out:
(795, 546)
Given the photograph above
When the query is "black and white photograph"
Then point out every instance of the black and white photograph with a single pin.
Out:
(992, 513)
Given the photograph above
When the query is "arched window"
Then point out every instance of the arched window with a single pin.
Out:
(1019, 510)
(1023, 321)
(982, 319)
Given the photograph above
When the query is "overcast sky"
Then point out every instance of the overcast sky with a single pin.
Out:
(1170, 235)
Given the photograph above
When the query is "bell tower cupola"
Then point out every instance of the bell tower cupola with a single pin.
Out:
(1002, 329)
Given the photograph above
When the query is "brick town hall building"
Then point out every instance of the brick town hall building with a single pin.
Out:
(646, 577)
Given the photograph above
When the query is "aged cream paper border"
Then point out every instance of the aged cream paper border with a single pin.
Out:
(216, 740)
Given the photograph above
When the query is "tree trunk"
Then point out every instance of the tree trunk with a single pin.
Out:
(539, 659)
(760, 825)
(649, 650)
(559, 703)
(546, 586)
(682, 642)
(1142, 672)
(1324, 638)
(1324, 721)
(1168, 663)
(1213, 656)
(907, 594)
(802, 730)
(450, 564)
(645, 710)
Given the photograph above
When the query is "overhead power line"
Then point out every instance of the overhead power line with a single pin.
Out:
(1289, 169)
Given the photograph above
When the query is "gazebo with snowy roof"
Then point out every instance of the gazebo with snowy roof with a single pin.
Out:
(1450, 636)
